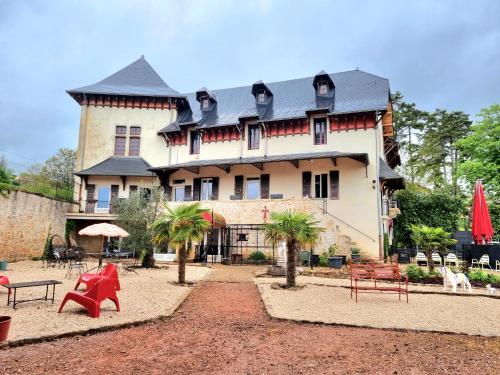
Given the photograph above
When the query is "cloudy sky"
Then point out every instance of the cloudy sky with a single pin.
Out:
(442, 54)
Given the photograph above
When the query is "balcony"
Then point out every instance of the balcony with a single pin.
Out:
(92, 209)
(390, 208)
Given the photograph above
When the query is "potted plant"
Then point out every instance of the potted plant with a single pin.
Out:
(355, 254)
(334, 261)
(3, 264)
(4, 327)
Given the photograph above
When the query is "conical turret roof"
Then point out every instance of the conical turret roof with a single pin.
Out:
(136, 79)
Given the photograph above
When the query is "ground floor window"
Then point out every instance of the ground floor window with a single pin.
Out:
(206, 189)
(321, 185)
(253, 188)
(179, 194)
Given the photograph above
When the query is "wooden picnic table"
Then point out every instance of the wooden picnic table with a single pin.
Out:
(30, 284)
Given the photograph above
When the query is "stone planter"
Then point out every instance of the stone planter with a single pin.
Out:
(3, 265)
(335, 262)
(4, 327)
(356, 258)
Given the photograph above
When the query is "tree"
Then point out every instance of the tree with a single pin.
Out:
(433, 209)
(438, 153)
(409, 122)
(6, 177)
(298, 229)
(179, 226)
(480, 152)
(136, 214)
(429, 239)
(60, 167)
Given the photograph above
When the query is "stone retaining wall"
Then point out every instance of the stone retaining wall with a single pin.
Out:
(25, 222)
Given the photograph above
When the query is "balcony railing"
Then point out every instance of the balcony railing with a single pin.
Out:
(96, 207)
(387, 204)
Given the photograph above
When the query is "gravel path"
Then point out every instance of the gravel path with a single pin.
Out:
(222, 328)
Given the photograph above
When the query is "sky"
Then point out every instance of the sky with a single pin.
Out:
(439, 54)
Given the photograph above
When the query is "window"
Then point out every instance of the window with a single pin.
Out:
(261, 97)
(206, 189)
(121, 130)
(322, 89)
(120, 145)
(253, 137)
(319, 131)
(179, 194)
(195, 142)
(135, 130)
(253, 188)
(321, 185)
(204, 103)
(134, 146)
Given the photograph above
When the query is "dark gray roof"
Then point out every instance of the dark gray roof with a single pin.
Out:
(386, 173)
(361, 157)
(119, 166)
(355, 91)
(136, 79)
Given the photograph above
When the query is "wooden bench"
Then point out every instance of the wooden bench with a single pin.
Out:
(377, 272)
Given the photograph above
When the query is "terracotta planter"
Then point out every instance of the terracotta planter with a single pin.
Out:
(4, 327)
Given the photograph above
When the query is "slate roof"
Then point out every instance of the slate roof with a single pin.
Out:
(361, 157)
(136, 79)
(119, 166)
(386, 173)
(355, 91)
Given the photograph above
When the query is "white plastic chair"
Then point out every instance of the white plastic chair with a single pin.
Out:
(420, 257)
(451, 260)
(436, 258)
(483, 261)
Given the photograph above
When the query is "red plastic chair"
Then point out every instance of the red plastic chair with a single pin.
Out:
(91, 299)
(5, 280)
(109, 271)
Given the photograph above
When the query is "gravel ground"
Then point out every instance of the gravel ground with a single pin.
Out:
(427, 312)
(222, 328)
(144, 296)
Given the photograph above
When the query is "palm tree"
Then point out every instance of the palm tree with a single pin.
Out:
(179, 226)
(298, 229)
(429, 238)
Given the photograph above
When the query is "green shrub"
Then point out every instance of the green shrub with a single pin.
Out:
(415, 272)
(355, 250)
(481, 275)
(323, 260)
(333, 250)
(257, 255)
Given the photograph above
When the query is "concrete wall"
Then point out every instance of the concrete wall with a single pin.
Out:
(25, 221)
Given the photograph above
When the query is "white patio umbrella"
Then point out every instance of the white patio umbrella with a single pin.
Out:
(104, 230)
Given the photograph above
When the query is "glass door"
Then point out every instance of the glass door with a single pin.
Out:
(103, 199)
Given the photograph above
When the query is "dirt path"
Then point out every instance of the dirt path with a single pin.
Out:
(222, 329)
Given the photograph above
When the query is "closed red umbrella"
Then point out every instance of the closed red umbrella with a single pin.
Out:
(482, 230)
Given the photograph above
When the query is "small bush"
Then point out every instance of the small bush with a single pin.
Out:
(323, 260)
(414, 272)
(481, 275)
(257, 256)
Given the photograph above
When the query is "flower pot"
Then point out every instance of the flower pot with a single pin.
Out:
(356, 258)
(335, 262)
(3, 265)
(4, 327)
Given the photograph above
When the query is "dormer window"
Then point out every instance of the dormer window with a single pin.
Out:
(261, 97)
(205, 103)
(323, 88)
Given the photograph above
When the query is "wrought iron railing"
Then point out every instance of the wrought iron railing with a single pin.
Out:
(96, 207)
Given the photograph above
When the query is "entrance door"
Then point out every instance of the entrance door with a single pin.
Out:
(103, 197)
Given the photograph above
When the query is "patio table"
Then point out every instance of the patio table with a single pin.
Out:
(31, 284)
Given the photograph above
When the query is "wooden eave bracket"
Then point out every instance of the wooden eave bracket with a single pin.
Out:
(259, 166)
(225, 167)
(295, 163)
(195, 170)
(124, 181)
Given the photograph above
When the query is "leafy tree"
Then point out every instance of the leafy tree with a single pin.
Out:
(136, 214)
(438, 153)
(60, 167)
(179, 226)
(481, 152)
(298, 229)
(434, 209)
(409, 122)
(6, 177)
(429, 239)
